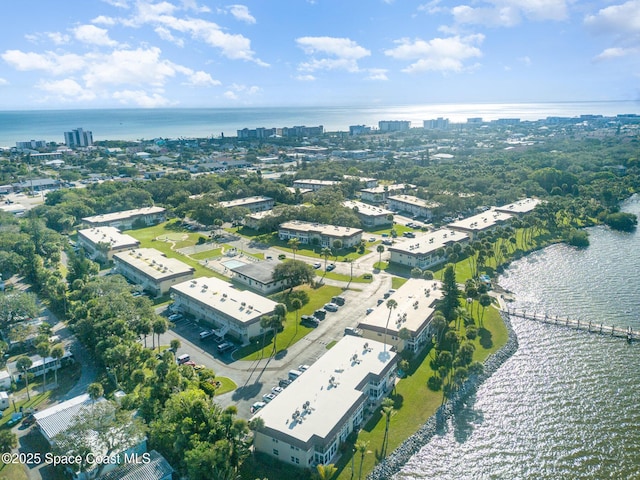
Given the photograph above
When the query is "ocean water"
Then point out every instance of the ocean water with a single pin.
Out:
(135, 124)
(565, 405)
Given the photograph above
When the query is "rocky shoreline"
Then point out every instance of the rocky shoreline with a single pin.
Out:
(401, 455)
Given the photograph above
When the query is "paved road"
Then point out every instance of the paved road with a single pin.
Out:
(255, 378)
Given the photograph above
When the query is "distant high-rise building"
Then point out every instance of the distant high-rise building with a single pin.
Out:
(78, 138)
(31, 144)
(394, 125)
(437, 124)
(359, 130)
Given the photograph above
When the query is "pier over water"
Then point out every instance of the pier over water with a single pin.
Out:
(591, 327)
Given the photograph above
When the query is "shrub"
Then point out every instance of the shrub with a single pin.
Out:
(434, 383)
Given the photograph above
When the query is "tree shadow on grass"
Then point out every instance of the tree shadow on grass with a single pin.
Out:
(485, 338)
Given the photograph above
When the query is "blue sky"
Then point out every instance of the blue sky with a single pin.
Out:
(201, 53)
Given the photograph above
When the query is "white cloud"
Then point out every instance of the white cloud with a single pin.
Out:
(202, 79)
(616, 19)
(165, 34)
(233, 46)
(509, 13)
(4, 81)
(58, 38)
(66, 90)
(140, 98)
(140, 67)
(439, 54)
(622, 22)
(236, 91)
(241, 12)
(343, 53)
(377, 74)
(104, 20)
(49, 62)
(305, 78)
(432, 7)
(93, 35)
(118, 3)
(526, 61)
(616, 52)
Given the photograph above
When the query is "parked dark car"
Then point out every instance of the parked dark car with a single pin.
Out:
(309, 321)
(338, 300)
(320, 314)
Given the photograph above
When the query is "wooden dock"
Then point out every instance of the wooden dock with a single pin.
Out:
(591, 327)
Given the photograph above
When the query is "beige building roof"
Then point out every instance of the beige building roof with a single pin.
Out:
(520, 207)
(389, 188)
(241, 305)
(416, 300)
(429, 243)
(110, 235)
(482, 221)
(153, 263)
(243, 202)
(320, 228)
(331, 386)
(124, 215)
(366, 209)
(415, 201)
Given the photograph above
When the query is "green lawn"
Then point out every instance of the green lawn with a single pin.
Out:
(148, 239)
(227, 386)
(293, 331)
(397, 282)
(214, 252)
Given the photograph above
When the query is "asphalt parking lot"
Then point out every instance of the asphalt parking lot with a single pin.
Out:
(256, 378)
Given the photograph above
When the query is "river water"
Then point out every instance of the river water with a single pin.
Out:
(565, 405)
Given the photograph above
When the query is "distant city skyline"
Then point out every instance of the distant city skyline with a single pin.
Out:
(190, 53)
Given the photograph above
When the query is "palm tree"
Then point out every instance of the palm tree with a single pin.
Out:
(23, 364)
(391, 305)
(175, 345)
(159, 327)
(326, 472)
(361, 447)
(296, 304)
(380, 250)
(277, 321)
(57, 352)
(144, 329)
(44, 350)
(387, 410)
(326, 253)
(485, 301)
(294, 244)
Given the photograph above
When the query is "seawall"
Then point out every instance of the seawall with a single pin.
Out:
(401, 455)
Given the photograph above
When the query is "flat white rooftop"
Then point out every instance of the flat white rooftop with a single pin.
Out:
(429, 243)
(388, 188)
(124, 215)
(482, 221)
(312, 181)
(414, 201)
(240, 202)
(241, 305)
(109, 235)
(319, 228)
(331, 388)
(416, 300)
(366, 209)
(154, 263)
(521, 206)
